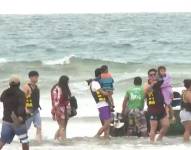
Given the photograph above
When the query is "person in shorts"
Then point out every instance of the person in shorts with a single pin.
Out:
(14, 115)
(133, 106)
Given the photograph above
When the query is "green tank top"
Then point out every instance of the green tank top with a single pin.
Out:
(135, 97)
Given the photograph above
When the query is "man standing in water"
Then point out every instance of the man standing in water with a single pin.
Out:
(32, 94)
(14, 115)
(133, 106)
(156, 106)
(100, 97)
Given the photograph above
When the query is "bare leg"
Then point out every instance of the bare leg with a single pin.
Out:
(39, 135)
(62, 133)
(167, 111)
(187, 127)
(105, 128)
(65, 125)
(56, 136)
(152, 134)
(25, 146)
(111, 103)
(1, 144)
(164, 127)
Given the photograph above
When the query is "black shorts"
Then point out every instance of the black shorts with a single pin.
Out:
(157, 117)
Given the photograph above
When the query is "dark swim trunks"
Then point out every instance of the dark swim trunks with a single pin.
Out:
(157, 117)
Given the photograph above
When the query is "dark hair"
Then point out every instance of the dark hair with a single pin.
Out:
(33, 73)
(97, 72)
(63, 84)
(187, 83)
(104, 68)
(152, 70)
(161, 67)
(137, 81)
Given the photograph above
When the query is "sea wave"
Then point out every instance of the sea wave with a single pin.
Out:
(3, 60)
(62, 61)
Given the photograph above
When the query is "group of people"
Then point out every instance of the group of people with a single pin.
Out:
(22, 106)
(21, 109)
(156, 92)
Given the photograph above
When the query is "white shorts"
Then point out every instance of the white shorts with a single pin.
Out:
(185, 115)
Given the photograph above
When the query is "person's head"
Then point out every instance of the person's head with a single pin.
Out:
(33, 76)
(187, 83)
(97, 72)
(138, 81)
(63, 84)
(63, 81)
(14, 81)
(162, 70)
(152, 75)
(104, 69)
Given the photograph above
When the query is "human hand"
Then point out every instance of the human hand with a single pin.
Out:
(16, 120)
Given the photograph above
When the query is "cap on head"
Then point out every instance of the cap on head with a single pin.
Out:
(14, 80)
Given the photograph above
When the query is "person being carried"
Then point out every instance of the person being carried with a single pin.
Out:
(14, 114)
(106, 82)
(133, 106)
(32, 94)
(167, 91)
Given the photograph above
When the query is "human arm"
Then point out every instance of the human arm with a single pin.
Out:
(95, 86)
(19, 115)
(167, 81)
(147, 87)
(26, 90)
(188, 97)
(124, 105)
(2, 98)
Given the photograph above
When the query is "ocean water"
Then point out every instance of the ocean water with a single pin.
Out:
(75, 45)
(80, 133)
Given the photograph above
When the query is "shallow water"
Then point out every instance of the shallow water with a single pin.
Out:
(80, 132)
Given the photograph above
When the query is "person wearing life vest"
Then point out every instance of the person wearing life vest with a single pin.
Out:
(185, 113)
(61, 109)
(156, 106)
(32, 105)
(100, 98)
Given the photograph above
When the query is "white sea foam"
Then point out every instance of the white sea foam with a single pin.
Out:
(65, 60)
(3, 60)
